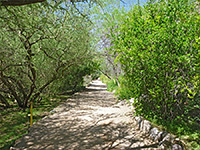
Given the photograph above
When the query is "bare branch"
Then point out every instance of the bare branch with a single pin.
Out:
(11, 65)
(48, 54)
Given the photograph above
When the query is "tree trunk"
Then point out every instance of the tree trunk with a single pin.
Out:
(36, 95)
(4, 101)
(12, 90)
(114, 70)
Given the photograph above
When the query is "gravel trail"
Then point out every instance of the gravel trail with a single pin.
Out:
(90, 120)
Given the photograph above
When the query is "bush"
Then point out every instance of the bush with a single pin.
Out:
(123, 92)
(159, 53)
(104, 79)
(111, 83)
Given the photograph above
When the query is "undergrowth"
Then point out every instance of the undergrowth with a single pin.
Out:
(187, 131)
(14, 122)
(111, 83)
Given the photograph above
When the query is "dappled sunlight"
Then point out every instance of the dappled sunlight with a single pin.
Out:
(91, 119)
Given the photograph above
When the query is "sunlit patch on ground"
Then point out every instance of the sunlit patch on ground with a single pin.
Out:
(89, 120)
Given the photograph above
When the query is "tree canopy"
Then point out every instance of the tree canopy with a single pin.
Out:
(39, 45)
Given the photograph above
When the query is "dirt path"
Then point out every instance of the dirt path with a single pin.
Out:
(91, 120)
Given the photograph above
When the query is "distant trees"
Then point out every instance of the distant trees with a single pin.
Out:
(107, 20)
(40, 44)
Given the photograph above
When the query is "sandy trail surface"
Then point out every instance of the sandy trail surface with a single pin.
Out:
(90, 120)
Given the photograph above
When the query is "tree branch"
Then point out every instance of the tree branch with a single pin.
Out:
(12, 90)
(26, 2)
(105, 74)
(11, 65)
(4, 101)
(36, 95)
(19, 2)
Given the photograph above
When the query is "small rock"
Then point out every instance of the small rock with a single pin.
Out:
(167, 140)
(138, 121)
(146, 126)
(160, 136)
(141, 125)
(153, 133)
(176, 147)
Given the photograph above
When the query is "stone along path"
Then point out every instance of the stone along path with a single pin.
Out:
(90, 120)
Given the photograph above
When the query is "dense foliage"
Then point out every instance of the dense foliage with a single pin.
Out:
(41, 44)
(150, 53)
(158, 49)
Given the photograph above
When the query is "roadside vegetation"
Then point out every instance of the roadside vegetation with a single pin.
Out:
(45, 51)
(149, 52)
(15, 123)
(156, 46)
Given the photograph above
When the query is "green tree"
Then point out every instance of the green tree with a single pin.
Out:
(106, 19)
(155, 46)
(40, 44)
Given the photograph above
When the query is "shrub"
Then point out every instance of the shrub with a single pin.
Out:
(111, 83)
(159, 52)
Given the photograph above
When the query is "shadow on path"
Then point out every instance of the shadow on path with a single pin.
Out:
(90, 120)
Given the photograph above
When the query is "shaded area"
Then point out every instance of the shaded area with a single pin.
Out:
(89, 120)
(14, 123)
(71, 136)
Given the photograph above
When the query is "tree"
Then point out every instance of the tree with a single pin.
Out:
(106, 19)
(39, 44)
(157, 52)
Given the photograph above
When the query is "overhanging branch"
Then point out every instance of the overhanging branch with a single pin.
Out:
(18, 2)
(26, 2)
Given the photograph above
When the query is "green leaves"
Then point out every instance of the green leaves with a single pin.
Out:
(159, 53)
(40, 45)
